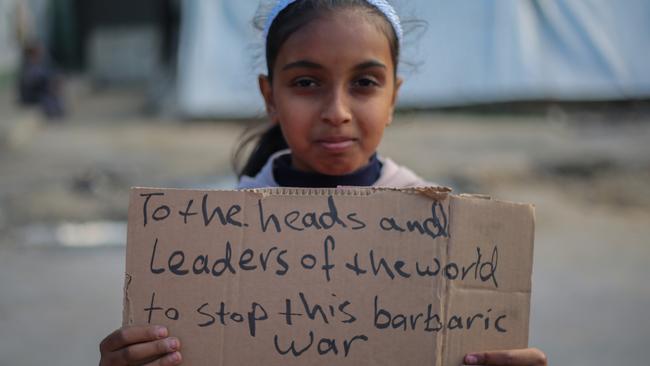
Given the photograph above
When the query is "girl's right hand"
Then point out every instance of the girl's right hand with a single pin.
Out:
(140, 345)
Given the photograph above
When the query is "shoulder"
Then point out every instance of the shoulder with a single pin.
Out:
(397, 176)
(264, 178)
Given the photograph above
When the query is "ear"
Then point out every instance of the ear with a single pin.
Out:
(266, 90)
(398, 85)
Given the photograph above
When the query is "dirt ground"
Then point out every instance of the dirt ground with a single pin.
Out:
(588, 174)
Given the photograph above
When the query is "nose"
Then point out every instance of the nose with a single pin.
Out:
(336, 108)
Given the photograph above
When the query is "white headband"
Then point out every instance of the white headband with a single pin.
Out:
(382, 5)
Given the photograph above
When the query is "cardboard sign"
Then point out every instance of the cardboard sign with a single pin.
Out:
(329, 276)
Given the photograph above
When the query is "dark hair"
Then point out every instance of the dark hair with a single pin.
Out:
(295, 16)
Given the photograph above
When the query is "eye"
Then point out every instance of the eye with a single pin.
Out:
(305, 83)
(365, 82)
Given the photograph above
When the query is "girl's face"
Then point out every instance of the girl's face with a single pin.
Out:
(333, 92)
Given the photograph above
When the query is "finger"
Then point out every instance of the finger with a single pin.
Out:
(171, 359)
(518, 357)
(127, 336)
(144, 352)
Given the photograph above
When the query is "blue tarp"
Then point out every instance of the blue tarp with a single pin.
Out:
(471, 52)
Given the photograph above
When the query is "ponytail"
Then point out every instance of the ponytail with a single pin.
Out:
(267, 140)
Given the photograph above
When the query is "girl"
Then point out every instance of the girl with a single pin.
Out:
(330, 91)
(328, 104)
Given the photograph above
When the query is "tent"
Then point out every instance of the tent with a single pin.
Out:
(471, 52)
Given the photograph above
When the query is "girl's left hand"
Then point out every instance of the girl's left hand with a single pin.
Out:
(515, 357)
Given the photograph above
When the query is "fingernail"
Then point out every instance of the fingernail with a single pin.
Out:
(175, 357)
(161, 332)
(172, 343)
(471, 359)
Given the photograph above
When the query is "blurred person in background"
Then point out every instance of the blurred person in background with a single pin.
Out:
(39, 83)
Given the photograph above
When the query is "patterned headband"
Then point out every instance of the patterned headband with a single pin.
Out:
(382, 5)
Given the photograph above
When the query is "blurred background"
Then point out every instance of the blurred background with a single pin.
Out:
(544, 101)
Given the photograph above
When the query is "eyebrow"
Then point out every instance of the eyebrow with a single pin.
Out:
(369, 64)
(302, 64)
(313, 65)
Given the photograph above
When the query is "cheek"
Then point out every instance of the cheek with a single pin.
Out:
(376, 118)
(295, 108)
(295, 128)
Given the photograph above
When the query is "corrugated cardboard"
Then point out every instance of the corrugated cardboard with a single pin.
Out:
(329, 276)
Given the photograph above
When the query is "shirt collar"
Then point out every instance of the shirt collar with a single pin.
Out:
(288, 176)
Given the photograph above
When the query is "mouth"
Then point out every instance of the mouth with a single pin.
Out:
(336, 143)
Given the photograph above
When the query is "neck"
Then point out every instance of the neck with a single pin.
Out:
(286, 175)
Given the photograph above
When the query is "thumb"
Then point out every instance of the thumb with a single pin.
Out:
(518, 357)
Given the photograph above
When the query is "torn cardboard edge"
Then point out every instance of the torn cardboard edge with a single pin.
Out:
(438, 193)
(127, 310)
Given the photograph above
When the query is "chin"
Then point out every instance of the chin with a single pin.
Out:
(339, 169)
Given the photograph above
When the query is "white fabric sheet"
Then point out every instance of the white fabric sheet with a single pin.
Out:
(472, 52)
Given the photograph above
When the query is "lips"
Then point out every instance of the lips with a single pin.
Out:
(336, 143)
